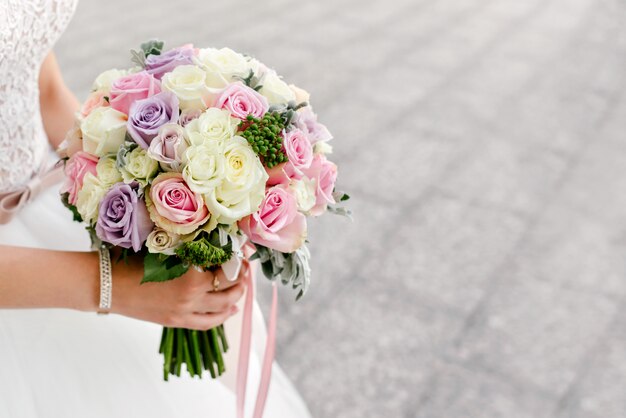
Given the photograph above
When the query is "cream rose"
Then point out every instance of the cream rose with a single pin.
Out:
(304, 190)
(188, 83)
(322, 147)
(138, 166)
(214, 125)
(105, 79)
(223, 65)
(107, 171)
(89, 197)
(275, 89)
(162, 242)
(301, 94)
(204, 167)
(243, 187)
(73, 141)
(103, 131)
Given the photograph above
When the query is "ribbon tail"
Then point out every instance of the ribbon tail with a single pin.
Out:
(244, 349)
(268, 358)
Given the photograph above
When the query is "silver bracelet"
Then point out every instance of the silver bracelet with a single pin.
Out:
(106, 280)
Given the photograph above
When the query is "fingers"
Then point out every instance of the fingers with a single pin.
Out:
(220, 301)
(224, 282)
(206, 321)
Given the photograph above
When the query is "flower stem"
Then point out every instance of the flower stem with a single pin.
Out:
(187, 356)
(195, 348)
(169, 340)
(217, 352)
(180, 353)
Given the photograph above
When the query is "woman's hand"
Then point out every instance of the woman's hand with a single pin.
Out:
(189, 301)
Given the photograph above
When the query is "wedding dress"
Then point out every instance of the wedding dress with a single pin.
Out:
(64, 363)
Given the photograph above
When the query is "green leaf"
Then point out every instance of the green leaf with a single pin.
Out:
(159, 269)
(65, 199)
(152, 47)
(341, 211)
(138, 57)
(344, 197)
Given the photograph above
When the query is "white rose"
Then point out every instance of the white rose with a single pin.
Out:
(160, 241)
(107, 171)
(304, 190)
(73, 141)
(322, 147)
(105, 79)
(104, 130)
(213, 125)
(204, 167)
(301, 94)
(243, 188)
(222, 66)
(139, 167)
(89, 197)
(275, 89)
(188, 83)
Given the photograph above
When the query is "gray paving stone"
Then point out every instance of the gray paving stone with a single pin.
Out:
(587, 255)
(535, 332)
(451, 265)
(600, 394)
(458, 392)
(398, 339)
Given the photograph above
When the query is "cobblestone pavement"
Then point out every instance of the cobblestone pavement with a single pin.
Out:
(483, 143)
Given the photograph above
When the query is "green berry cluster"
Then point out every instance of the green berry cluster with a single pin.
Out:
(204, 253)
(264, 137)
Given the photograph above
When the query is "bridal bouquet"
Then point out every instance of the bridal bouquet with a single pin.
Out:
(189, 155)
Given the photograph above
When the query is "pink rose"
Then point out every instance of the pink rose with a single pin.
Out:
(95, 100)
(241, 101)
(306, 120)
(282, 174)
(324, 173)
(173, 206)
(130, 88)
(79, 164)
(277, 224)
(298, 149)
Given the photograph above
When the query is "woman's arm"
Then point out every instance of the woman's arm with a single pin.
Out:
(58, 103)
(34, 278)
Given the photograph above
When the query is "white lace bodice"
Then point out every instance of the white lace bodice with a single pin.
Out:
(28, 30)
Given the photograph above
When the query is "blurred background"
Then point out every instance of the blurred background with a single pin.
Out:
(483, 144)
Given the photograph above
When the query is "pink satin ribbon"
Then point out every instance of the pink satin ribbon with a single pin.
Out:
(244, 350)
(13, 201)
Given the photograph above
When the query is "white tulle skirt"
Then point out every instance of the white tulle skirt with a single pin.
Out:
(58, 363)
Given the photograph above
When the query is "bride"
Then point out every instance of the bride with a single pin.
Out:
(60, 359)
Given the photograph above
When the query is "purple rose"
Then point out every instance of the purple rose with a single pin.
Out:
(168, 146)
(306, 120)
(148, 115)
(123, 219)
(158, 65)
